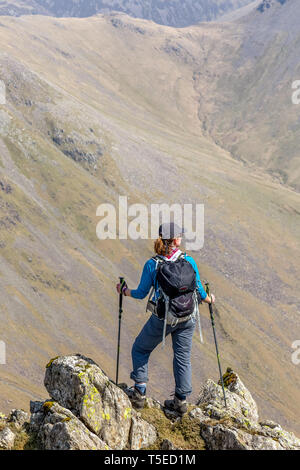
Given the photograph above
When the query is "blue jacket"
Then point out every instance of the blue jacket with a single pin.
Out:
(149, 276)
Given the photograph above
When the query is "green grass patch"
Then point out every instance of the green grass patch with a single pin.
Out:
(184, 434)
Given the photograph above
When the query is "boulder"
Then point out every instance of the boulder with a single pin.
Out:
(236, 427)
(59, 429)
(79, 385)
(240, 402)
(142, 434)
(7, 439)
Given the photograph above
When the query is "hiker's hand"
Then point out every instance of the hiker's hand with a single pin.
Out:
(125, 290)
(118, 287)
(210, 299)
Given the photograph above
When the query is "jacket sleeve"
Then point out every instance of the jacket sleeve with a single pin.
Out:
(146, 282)
(201, 290)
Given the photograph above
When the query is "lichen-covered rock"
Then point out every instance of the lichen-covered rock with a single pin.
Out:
(78, 384)
(59, 429)
(198, 414)
(220, 437)
(88, 411)
(142, 434)
(269, 424)
(240, 402)
(18, 418)
(236, 427)
(7, 439)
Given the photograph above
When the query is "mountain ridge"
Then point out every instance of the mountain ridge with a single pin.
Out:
(178, 13)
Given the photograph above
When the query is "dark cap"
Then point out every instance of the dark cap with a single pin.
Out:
(170, 230)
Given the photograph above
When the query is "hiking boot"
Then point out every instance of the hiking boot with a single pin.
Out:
(179, 406)
(136, 398)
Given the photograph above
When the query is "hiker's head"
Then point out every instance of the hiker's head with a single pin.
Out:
(170, 236)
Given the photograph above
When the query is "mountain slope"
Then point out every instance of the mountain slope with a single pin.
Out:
(178, 13)
(248, 107)
(107, 106)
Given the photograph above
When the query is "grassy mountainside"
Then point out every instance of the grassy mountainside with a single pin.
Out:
(178, 13)
(248, 107)
(109, 106)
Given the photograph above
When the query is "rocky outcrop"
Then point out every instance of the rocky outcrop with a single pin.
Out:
(237, 427)
(239, 400)
(88, 409)
(11, 427)
(18, 418)
(58, 429)
(266, 4)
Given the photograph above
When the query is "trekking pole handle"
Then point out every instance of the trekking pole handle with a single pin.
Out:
(207, 288)
(122, 282)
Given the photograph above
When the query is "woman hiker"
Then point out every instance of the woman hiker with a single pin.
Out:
(158, 326)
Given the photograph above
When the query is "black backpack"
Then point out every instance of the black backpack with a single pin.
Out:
(177, 284)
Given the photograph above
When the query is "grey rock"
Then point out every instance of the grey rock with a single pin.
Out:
(18, 418)
(167, 445)
(237, 427)
(7, 439)
(60, 430)
(36, 406)
(142, 434)
(240, 402)
(88, 411)
(198, 414)
(220, 437)
(153, 403)
(269, 424)
(79, 385)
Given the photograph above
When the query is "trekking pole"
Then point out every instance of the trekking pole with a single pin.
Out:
(122, 283)
(216, 343)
